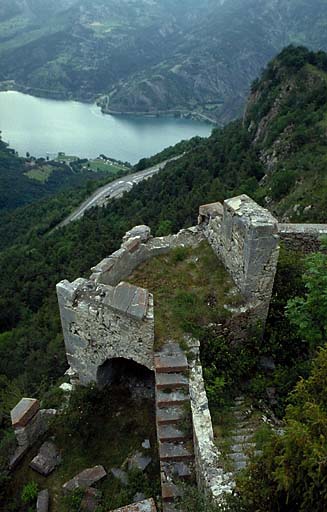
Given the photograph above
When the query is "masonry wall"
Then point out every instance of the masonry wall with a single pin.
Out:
(102, 322)
(305, 238)
(245, 237)
(104, 317)
(211, 477)
(137, 248)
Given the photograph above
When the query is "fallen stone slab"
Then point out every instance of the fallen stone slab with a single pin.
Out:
(47, 459)
(91, 500)
(139, 461)
(141, 506)
(17, 457)
(42, 504)
(120, 475)
(85, 479)
(24, 411)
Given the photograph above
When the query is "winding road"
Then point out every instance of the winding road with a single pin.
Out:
(114, 189)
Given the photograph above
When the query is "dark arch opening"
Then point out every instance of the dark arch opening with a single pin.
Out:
(127, 374)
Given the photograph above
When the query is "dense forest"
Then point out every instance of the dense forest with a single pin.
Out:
(276, 154)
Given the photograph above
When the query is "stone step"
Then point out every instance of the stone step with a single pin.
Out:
(170, 364)
(170, 492)
(170, 349)
(238, 456)
(171, 381)
(238, 448)
(171, 399)
(240, 439)
(241, 464)
(170, 415)
(174, 452)
(181, 470)
(167, 433)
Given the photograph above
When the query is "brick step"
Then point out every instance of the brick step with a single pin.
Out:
(174, 452)
(171, 399)
(170, 492)
(170, 415)
(171, 381)
(167, 433)
(170, 364)
(180, 470)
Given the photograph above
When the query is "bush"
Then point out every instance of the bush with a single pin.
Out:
(29, 493)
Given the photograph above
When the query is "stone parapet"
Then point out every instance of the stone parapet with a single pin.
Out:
(137, 248)
(302, 237)
(245, 237)
(211, 477)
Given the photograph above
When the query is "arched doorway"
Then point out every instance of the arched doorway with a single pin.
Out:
(126, 374)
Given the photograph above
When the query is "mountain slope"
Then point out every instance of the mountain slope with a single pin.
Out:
(153, 56)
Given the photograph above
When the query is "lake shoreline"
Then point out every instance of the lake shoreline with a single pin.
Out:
(11, 85)
(45, 127)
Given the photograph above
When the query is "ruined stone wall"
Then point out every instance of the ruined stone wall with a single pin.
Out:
(245, 237)
(103, 322)
(137, 248)
(305, 238)
(105, 318)
(211, 477)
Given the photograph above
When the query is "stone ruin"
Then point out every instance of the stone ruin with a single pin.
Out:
(106, 320)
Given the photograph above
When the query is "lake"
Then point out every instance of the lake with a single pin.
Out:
(44, 127)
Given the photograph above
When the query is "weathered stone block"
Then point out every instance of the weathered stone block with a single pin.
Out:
(143, 232)
(42, 504)
(141, 506)
(46, 460)
(26, 436)
(85, 479)
(24, 411)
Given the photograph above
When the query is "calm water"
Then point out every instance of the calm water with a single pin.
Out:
(45, 127)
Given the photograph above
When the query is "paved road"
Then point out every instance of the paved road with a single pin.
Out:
(114, 189)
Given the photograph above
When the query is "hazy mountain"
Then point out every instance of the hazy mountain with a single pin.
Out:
(151, 55)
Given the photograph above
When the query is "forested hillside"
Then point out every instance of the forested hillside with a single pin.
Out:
(166, 55)
(276, 154)
(27, 180)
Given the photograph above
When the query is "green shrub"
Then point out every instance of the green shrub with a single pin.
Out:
(29, 493)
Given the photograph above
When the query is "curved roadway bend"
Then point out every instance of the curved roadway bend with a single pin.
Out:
(114, 189)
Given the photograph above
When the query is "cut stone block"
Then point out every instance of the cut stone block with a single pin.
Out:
(180, 470)
(139, 461)
(171, 399)
(90, 502)
(120, 475)
(170, 416)
(170, 492)
(85, 479)
(18, 456)
(141, 506)
(168, 433)
(143, 232)
(42, 504)
(174, 452)
(24, 411)
(171, 381)
(46, 460)
(171, 364)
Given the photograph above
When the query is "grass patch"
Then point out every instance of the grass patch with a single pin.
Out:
(41, 174)
(107, 166)
(99, 427)
(190, 288)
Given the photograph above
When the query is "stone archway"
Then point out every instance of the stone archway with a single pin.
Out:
(126, 373)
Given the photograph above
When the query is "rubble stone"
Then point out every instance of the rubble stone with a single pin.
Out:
(46, 460)
(85, 479)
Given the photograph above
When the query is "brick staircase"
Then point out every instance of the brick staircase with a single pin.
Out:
(174, 423)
